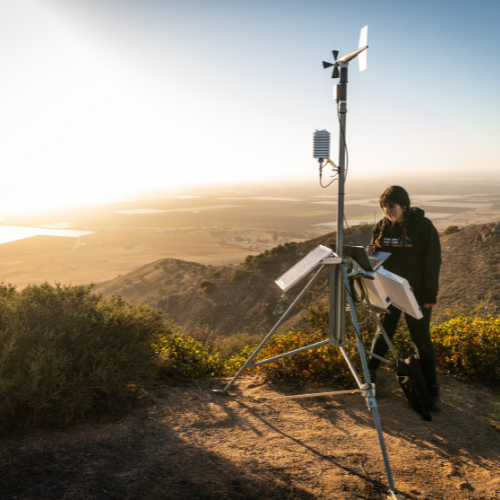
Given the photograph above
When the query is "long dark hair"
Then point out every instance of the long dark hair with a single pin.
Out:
(391, 196)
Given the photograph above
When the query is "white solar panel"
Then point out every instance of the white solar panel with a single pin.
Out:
(303, 267)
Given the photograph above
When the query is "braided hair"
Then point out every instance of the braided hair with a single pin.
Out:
(391, 196)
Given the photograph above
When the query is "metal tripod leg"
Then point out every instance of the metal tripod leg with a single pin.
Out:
(368, 391)
(249, 363)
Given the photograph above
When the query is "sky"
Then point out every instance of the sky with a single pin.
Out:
(106, 97)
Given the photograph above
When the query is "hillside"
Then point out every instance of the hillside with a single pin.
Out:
(192, 294)
(471, 264)
(174, 286)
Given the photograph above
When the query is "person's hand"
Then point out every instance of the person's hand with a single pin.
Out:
(428, 306)
(371, 249)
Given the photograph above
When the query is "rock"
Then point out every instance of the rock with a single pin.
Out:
(281, 307)
(464, 485)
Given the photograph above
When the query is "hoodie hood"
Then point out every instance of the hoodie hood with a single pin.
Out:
(417, 213)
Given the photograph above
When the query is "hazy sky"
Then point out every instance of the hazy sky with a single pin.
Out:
(102, 96)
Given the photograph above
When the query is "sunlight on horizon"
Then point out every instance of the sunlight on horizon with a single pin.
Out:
(107, 100)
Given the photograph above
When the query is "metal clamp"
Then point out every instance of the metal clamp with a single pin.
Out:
(368, 392)
(331, 260)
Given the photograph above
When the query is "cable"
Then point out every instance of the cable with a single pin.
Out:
(345, 143)
(364, 293)
(321, 167)
(346, 154)
(349, 229)
(329, 184)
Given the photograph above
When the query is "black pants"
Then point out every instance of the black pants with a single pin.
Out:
(420, 334)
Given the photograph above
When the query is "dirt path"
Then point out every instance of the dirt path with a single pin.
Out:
(186, 443)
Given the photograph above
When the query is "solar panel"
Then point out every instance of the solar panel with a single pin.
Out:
(303, 267)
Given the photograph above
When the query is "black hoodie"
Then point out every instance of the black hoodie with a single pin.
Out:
(416, 256)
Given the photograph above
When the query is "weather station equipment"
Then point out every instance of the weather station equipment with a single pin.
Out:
(333, 260)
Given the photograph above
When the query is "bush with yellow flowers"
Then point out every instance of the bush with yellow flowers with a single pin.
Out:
(469, 347)
(182, 356)
(323, 363)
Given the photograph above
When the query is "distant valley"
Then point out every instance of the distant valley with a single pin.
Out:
(218, 225)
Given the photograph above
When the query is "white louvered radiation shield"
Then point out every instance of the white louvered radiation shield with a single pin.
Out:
(321, 144)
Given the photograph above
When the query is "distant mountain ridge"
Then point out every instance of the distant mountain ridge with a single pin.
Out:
(236, 298)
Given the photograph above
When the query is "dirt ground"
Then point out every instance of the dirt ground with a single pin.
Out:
(186, 443)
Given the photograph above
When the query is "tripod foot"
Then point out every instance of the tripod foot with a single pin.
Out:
(394, 495)
(220, 392)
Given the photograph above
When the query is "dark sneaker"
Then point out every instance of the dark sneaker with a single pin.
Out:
(435, 399)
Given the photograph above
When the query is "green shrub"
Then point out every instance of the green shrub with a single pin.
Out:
(65, 351)
(280, 249)
(258, 262)
(207, 286)
(450, 230)
(186, 357)
(402, 343)
(239, 275)
(331, 241)
(233, 363)
(469, 347)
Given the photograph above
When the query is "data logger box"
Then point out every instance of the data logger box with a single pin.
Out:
(399, 291)
(374, 289)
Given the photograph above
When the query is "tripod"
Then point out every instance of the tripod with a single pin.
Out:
(340, 295)
(337, 338)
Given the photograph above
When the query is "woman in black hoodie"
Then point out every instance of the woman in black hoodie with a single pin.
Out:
(415, 250)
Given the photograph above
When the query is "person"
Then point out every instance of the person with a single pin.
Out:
(413, 242)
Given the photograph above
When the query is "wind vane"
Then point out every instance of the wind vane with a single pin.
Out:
(361, 51)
